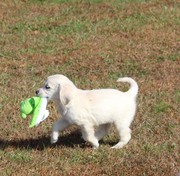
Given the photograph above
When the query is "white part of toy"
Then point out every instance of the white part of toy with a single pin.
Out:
(43, 113)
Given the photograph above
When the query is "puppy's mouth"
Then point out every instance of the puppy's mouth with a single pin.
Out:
(43, 96)
(39, 95)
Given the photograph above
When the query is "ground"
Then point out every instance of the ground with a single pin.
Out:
(93, 42)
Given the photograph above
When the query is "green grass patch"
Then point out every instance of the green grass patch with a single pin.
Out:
(161, 107)
(177, 96)
(19, 156)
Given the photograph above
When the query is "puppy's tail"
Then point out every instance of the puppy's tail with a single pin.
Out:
(133, 85)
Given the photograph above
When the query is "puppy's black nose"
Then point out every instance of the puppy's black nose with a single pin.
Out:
(37, 92)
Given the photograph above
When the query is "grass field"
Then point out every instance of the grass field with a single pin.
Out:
(93, 42)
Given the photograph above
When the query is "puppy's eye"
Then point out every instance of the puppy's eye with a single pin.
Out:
(47, 87)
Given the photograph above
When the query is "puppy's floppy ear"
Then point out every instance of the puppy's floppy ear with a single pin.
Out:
(65, 94)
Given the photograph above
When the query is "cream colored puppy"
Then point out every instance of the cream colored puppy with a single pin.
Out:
(92, 110)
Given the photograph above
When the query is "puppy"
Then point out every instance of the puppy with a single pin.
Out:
(92, 110)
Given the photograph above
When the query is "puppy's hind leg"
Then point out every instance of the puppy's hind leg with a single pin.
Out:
(88, 135)
(102, 131)
(58, 126)
(125, 136)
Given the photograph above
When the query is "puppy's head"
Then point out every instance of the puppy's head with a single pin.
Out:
(56, 87)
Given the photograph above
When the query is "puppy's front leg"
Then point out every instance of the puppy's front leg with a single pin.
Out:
(58, 126)
(88, 135)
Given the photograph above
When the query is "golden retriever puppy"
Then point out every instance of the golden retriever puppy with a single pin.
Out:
(92, 110)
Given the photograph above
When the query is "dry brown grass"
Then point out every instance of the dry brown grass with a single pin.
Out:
(93, 43)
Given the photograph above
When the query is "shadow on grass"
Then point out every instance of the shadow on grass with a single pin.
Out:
(68, 140)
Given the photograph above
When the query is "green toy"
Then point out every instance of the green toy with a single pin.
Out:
(35, 106)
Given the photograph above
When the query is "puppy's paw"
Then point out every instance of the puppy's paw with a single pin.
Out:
(53, 141)
(95, 147)
(118, 145)
(54, 138)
